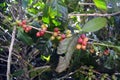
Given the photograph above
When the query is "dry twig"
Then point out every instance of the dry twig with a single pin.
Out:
(10, 53)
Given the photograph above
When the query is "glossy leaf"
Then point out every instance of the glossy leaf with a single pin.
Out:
(95, 24)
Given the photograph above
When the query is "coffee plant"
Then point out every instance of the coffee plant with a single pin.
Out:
(59, 39)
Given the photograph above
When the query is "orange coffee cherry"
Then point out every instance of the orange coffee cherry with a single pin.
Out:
(55, 34)
(85, 39)
(24, 26)
(92, 50)
(78, 46)
(83, 47)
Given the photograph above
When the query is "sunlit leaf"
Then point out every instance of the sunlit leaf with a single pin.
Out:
(47, 58)
(57, 23)
(46, 20)
(100, 4)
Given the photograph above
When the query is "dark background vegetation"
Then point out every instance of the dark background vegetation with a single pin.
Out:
(30, 58)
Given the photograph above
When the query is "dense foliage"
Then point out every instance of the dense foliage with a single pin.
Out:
(60, 39)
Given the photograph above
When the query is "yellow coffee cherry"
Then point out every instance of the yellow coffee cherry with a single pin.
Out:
(52, 38)
(68, 35)
(59, 37)
(68, 32)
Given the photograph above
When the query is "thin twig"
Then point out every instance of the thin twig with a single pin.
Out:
(1, 59)
(94, 14)
(91, 4)
(39, 29)
(37, 68)
(10, 53)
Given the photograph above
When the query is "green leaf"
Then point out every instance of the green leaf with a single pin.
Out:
(46, 20)
(54, 9)
(47, 58)
(95, 24)
(56, 23)
(66, 46)
(100, 4)
(18, 73)
(59, 6)
(78, 27)
(2, 5)
(24, 37)
(32, 10)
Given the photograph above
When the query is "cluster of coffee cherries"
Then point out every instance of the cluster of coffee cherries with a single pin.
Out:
(56, 34)
(24, 25)
(42, 31)
(60, 36)
(82, 42)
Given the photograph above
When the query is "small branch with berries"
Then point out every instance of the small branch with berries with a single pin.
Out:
(56, 34)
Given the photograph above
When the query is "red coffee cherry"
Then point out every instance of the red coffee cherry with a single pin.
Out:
(27, 29)
(38, 34)
(106, 52)
(42, 33)
(63, 36)
(24, 21)
(80, 40)
(82, 36)
(84, 43)
(56, 29)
